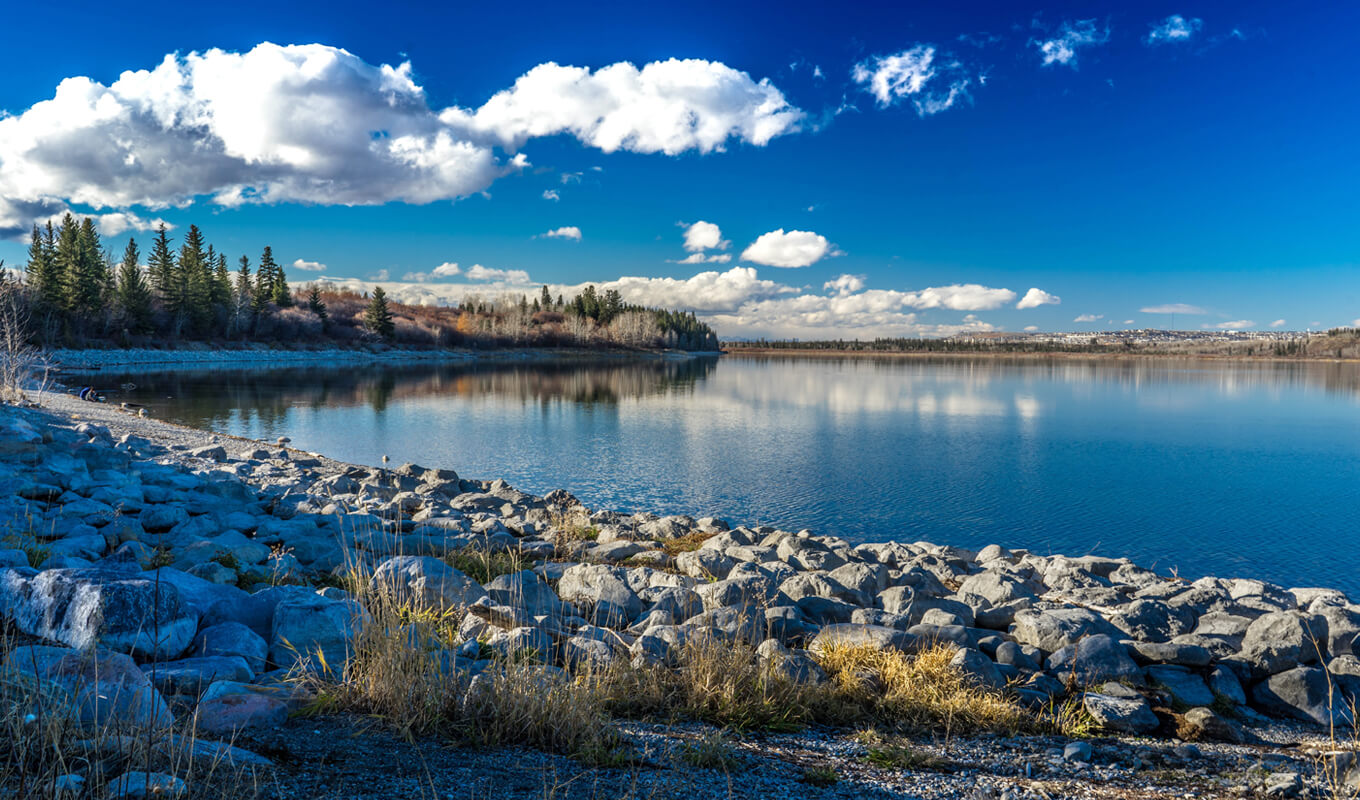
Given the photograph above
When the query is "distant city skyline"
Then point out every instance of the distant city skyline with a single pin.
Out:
(783, 171)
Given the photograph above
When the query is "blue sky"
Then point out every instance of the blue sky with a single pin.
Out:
(906, 171)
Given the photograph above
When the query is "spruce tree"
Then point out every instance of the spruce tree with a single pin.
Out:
(221, 286)
(317, 307)
(546, 300)
(43, 280)
(134, 296)
(265, 275)
(243, 309)
(281, 295)
(162, 268)
(67, 260)
(192, 306)
(377, 317)
(89, 277)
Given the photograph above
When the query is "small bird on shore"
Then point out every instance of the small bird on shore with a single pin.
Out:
(386, 459)
(283, 440)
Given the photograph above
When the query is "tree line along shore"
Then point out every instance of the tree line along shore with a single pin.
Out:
(75, 294)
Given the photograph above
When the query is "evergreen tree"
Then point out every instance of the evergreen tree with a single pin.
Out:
(317, 307)
(192, 306)
(243, 311)
(546, 300)
(43, 280)
(134, 296)
(162, 268)
(66, 260)
(88, 278)
(281, 294)
(265, 276)
(377, 317)
(221, 285)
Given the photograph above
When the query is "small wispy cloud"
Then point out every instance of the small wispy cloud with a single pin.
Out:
(1089, 318)
(551, 194)
(309, 266)
(1279, 323)
(1234, 325)
(1072, 37)
(1174, 28)
(932, 85)
(565, 232)
(845, 284)
(1173, 308)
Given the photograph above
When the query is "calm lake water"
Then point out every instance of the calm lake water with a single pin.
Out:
(1232, 469)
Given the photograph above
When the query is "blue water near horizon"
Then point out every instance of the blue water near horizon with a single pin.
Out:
(1226, 468)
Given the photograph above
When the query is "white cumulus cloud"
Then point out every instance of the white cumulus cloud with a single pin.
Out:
(1072, 36)
(932, 86)
(517, 277)
(779, 248)
(317, 124)
(702, 236)
(845, 284)
(1173, 308)
(551, 194)
(665, 107)
(1036, 297)
(117, 222)
(1174, 28)
(309, 266)
(565, 232)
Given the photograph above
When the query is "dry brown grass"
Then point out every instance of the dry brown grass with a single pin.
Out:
(42, 738)
(687, 543)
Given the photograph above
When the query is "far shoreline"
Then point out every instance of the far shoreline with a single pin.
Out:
(1029, 355)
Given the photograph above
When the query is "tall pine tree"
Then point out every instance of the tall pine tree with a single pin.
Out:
(192, 309)
(265, 276)
(281, 294)
(43, 280)
(88, 279)
(134, 296)
(162, 268)
(378, 317)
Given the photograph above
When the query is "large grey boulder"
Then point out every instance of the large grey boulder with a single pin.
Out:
(603, 590)
(995, 587)
(426, 582)
(107, 692)
(1095, 659)
(1185, 687)
(315, 633)
(1277, 642)
(233, 639)
(1302, 693)
(192, 676)
(978, 667)
(1152, 620)
(705, 563)
(1054, 629)
(1120, 714)
(89, 607)
(526, 590)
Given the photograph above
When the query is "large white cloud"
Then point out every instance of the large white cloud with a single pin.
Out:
(1036, 297)
(1072, 37)
(317, 124)
(664, 107)
(780, 248)
(914, 74)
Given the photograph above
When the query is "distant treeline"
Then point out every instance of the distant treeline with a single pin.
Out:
(1337, 343)
(906, 345)
(78, 295)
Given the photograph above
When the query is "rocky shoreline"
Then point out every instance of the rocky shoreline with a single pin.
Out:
(263, 356)
(199, 574)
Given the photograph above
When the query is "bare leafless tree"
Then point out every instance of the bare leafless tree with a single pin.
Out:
(19, 360)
